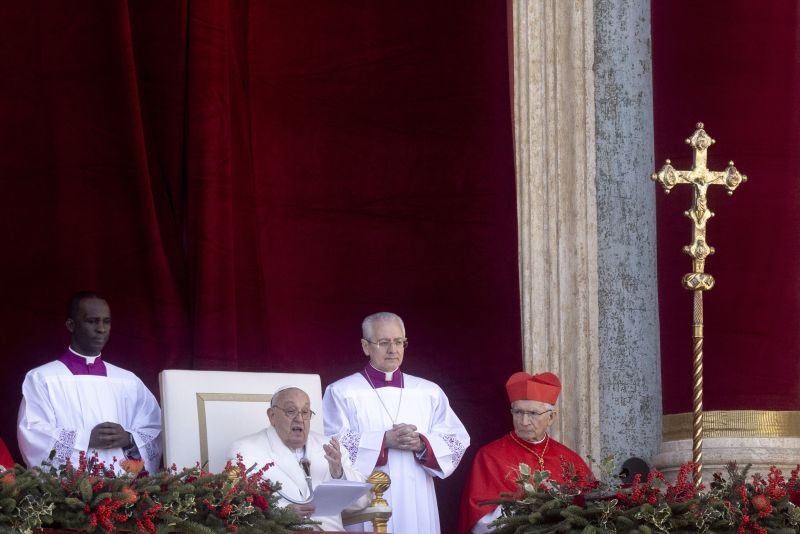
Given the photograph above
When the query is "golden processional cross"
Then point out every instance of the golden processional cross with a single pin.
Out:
(698, 281)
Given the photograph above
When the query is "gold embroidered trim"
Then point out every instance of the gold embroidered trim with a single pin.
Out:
(734, 423)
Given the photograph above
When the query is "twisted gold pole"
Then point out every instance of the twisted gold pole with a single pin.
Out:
(697, 387)
(698, 281)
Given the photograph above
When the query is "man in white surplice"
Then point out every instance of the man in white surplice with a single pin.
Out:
(397, 423)
(302, 458)
(80, 402)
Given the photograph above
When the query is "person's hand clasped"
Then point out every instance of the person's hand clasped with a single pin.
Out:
(109, 436)
(333, 453)
(404, 437)
(303, 510)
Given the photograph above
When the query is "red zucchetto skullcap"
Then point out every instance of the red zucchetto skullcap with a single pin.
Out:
(543, 387)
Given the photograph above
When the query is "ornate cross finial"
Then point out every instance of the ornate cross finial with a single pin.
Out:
(700, 178)
(698, 281)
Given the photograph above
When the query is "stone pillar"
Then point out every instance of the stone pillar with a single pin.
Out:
(584, 130)
(630, 375)
(555, 149)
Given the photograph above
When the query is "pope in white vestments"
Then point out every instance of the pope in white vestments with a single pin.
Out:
(397, 423)
(302, 459)
(82, 403)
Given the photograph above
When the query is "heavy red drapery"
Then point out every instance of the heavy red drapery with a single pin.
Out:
(735, 66)
(245, 181)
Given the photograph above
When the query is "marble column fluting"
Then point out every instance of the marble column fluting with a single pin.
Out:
(583, 133)
(555, 150)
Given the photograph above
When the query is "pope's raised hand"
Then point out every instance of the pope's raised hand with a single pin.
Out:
(333, 453)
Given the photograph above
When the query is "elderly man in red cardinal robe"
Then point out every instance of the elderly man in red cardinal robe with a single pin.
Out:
(495, 469)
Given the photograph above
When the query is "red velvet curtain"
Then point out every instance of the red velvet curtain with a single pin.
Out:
(245, 181)
(735, 66)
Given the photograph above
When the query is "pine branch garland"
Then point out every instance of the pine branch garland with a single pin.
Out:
(737, 503)
(91, 498)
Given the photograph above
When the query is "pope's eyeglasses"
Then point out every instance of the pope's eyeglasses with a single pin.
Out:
(522, 413)
(383, 344)
(291, 413)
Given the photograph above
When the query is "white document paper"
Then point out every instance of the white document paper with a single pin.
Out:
(333, 496)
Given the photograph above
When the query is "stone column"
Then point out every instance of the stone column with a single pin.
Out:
(630, 374)
(584, 140)
(554, 125)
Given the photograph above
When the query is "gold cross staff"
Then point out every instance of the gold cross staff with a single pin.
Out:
(698, 281)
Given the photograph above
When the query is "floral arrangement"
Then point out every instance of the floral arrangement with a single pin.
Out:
(91, 497)
(734, 503)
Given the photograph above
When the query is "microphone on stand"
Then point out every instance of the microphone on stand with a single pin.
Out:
(306, 465)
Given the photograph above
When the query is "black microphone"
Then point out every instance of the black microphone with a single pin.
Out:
(306, 465)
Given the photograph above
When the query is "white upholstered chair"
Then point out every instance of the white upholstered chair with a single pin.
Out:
(204, 412)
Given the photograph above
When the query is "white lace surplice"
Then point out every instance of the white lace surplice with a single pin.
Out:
(59, 410)
(352, 411)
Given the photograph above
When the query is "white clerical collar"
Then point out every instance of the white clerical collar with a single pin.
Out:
(89, 359)
(387, 374)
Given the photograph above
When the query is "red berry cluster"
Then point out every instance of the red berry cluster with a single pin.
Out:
(683, 489)
(106, 514)
(574, 482)
(640, 493)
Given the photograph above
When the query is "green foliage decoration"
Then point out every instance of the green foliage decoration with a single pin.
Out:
(733, 503)
(92, 497)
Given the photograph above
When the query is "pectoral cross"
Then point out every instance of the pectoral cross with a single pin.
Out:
(700, 177)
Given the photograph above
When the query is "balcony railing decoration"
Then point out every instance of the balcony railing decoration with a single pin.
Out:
(734, 502)
(92, 497)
